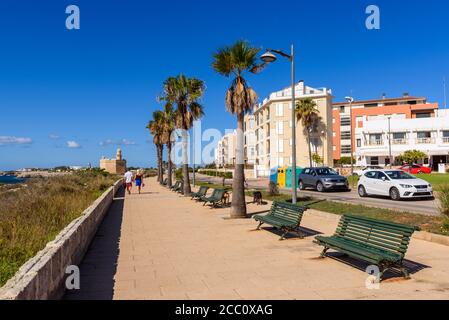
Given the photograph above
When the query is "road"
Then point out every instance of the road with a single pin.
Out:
(426, 207)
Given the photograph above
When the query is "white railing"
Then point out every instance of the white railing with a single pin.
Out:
(375, 143)
(399, 141)
(425, 140)
(445, 139)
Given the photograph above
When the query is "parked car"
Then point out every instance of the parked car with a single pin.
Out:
(396, 184)
(416, 169)
(365, 169)
(322, 179)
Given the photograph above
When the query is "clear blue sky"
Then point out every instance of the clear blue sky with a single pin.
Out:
(99, 84)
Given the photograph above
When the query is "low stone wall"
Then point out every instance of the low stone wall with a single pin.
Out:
(43, 276)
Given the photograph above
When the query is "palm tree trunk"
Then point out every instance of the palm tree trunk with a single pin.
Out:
(162, 164)
(158, 163)
(185, 165)
(170, 169)
(238, 206)
(310, 148)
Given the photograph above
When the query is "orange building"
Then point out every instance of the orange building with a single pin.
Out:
(405, 107)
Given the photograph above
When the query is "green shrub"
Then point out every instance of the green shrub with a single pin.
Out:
(273, 189)
(226, 175)
(443, 196)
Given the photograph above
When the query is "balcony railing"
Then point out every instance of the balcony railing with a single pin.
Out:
(425, 140)
(445, 139)
(399, 141)
(375, 143)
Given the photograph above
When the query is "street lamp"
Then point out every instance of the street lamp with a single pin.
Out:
(351, 100)
(389, 142)
(269, 57)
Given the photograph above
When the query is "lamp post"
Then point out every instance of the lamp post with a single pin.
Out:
(389, 142)
(351, 100)
(269, 57)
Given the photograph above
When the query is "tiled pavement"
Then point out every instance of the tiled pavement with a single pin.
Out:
(160, 245)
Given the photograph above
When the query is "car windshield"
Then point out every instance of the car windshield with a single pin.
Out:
(399, 175)
(326, 172)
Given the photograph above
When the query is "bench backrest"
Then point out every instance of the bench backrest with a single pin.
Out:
(376, 233)
(218, 193)
(203, 190)
(287, 211)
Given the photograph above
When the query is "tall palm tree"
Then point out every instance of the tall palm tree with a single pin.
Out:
(234, 61)
(185, 93)
(156, 127)
(308, 114)
(168, 119)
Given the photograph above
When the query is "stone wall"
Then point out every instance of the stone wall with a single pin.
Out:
(43, 276)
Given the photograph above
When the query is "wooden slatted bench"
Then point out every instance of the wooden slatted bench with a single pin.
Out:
(201, 193)
(216, 197)
(284, 216)
(378, 242)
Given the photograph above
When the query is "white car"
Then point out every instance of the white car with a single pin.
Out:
(396, 184)
(365, 169)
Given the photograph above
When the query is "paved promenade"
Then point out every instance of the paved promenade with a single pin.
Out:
(160, 245)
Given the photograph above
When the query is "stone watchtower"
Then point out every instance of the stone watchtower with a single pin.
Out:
(114, 166)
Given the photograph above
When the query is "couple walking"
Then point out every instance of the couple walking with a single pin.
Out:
(130, 177)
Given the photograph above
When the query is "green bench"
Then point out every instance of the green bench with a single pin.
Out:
(201, 193)
(381, 243)
(284, 216)
(217, 196)
(176, 185)
(164, 183)
(180, 188)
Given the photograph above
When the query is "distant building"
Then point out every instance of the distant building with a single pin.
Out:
(114, 166)
(273, 134)
(380, 137)
(225, 151)
(405, 107)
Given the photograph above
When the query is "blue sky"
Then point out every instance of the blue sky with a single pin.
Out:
(70, 97)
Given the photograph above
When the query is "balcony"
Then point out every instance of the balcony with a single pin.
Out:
(446, 140)
(399, 141)
(425, 140)
(374, 143)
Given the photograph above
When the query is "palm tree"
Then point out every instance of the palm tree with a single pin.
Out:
(240, 98)
(156, 127)
(168, 119)
(307, 112)
(185, 94)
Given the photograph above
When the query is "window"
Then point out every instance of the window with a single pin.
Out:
(345, 121)
(371, 174)
(381, 175)
(281, 162)
(374, 161)
(279, 110)
(446, 134)
(280, 127)
(398, 135)
(423, 115)
(346, 135)
(280, 146)
(375, 139)
(424, 134)
(345, 149)
(359, 143)
(342, 109)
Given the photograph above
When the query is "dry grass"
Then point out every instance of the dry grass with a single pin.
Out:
(33, 215)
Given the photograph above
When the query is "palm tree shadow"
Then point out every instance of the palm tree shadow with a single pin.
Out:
(411, 266)
(99, 264)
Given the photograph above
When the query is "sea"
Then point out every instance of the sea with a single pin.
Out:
(10, 180)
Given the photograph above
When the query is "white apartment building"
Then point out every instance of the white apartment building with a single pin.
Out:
(225, 150)
(429, 135)
(250, 139)
(273, 134)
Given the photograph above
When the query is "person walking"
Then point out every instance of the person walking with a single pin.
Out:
(139, 180)
(128, 180)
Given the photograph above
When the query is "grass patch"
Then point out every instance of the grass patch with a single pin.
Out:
(435, 179)
(438, 225)
(33, 215)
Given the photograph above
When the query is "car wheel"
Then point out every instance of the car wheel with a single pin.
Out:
(362, 192)
(394, 194)
(320, 187)
(301, 185)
